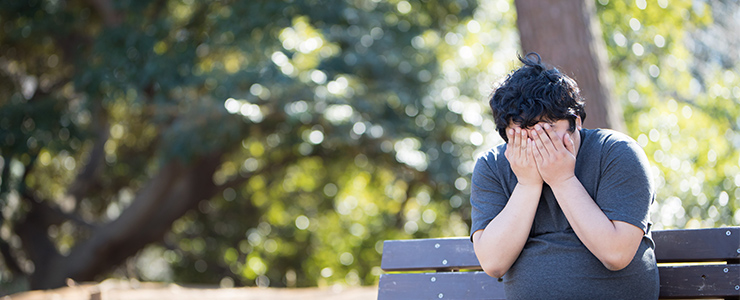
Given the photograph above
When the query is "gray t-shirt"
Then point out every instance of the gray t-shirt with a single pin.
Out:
(554, 263)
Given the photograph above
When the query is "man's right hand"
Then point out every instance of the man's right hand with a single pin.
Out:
(520, 153)
(499, 245)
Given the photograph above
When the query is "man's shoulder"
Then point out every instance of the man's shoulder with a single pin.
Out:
(611, 143)
(492, 154)
(607, 134)
(493, 158)
(607, 138)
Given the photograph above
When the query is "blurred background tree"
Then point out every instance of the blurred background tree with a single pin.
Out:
(278, 143)
(568, 34)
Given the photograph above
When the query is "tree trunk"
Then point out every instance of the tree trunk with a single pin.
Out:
(567, 35)
(170, 194)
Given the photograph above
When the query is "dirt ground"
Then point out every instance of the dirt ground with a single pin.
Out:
(115, 290)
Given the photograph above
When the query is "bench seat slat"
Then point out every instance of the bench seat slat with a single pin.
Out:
(697, 245)
(451, 285)
(439, 256)
(429, 254)
(688, 245)
(707, 281)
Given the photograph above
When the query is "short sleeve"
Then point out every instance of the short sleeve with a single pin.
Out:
(487, 195)
(625, 191)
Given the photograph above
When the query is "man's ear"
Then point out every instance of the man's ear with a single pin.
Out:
(579, 123)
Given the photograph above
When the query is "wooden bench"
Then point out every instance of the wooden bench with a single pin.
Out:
(693, 263)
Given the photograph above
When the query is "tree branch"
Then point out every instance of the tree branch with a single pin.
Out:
(158, 6)
(51, 214)
(35, 239)
(5, 183)
(171, 193)
(9, 260)
(93, 253)
(89, 178)
(110, 16)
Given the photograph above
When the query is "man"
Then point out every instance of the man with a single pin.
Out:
(559, 211)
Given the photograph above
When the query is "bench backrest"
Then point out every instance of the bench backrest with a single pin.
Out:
(693, 263)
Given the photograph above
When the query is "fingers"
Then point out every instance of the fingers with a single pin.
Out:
(510, 143)
(534, 152)
(551, 152)
(523, 143)
(509, 135)
(554, 139)
(539, 138)
(517, 143)
(569, 145)
(546, 137)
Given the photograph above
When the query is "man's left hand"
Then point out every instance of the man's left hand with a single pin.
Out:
(555, 155)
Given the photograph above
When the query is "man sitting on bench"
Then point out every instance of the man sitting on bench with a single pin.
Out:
(559, 211)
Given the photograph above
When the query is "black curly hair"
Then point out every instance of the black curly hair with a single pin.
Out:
(534, 93)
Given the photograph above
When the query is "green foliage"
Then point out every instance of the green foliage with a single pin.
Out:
(331, 135)
(681, 104)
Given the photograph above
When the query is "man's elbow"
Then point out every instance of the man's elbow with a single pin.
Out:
(494, 270)
(617, 261)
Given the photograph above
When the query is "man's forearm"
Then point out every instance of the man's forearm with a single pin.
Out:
(501, 242)
(614, 243)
